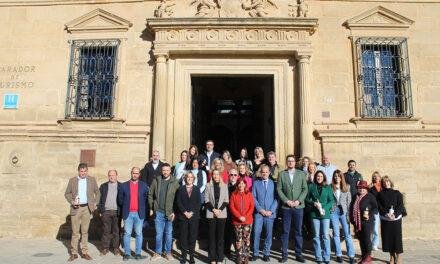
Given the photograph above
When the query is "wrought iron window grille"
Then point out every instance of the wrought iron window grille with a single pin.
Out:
(383, 77)
(92, 79)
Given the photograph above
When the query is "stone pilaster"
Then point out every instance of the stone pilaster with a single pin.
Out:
(306, 130)
(160, 104)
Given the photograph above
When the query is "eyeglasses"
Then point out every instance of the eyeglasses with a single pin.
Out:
(233, 174)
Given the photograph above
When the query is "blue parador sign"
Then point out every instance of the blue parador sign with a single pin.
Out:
(10, 101)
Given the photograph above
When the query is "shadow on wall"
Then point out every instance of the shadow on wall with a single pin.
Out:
(95, 231)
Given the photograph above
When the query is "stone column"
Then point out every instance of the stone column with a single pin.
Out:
(306, 129)
(160, 105)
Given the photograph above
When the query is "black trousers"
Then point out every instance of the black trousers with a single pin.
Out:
(364, 236)
(216, 239)
(189, 229)
(111, 226)
(229, 236)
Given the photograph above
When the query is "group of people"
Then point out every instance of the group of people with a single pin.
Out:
(239, 200)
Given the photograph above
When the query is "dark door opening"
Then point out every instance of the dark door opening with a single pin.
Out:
(235, 112)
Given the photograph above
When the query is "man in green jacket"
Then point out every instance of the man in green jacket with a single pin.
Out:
(292, 190)
(161, 200)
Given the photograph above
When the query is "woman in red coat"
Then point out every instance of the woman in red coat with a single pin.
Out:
(242, 207)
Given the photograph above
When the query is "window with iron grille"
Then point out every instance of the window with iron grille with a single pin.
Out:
(383, 77)
(92, 79)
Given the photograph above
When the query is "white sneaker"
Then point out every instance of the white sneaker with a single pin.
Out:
(375, 248)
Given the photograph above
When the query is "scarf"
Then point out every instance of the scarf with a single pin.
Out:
(357, 212)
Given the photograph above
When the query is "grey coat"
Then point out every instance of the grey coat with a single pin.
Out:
(209, 197)
(344, 200)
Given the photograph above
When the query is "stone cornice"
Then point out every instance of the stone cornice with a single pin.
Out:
(378, 135)
(62, 2)
(307, 24)
(4, 3)
(114, 131)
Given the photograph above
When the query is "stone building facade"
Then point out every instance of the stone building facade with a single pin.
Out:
(352, 79)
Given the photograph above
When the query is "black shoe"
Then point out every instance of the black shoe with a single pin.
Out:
(253, 258)
(283, 259)
(191, 259)
(326, 262)
(266, 258)
(318, 262)
(300, 258)
(339, 259)
(126, 257)
(351, 261)
(139, 256)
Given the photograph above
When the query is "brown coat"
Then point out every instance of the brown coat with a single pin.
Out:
(92, 193)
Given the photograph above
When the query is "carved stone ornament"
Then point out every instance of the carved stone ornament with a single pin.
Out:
(258, 8)
(16, 158)
(234, 8)
(165, 8)
(207, 8)
(298, 9)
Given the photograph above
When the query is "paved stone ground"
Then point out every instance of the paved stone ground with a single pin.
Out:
(18, 251)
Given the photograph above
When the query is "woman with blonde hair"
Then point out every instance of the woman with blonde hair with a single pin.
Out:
(311, 170)
(244, 173)
(258, 158)
(188, 214)
(339, 215)
(217, 164)
(391, 210)
(217, 200)
(375, 189)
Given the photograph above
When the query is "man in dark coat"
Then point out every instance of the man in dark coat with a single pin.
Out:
(352, 177)
(209, 155)
(152, 169)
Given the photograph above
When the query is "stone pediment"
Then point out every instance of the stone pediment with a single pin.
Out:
(98, 21)
(379, 17)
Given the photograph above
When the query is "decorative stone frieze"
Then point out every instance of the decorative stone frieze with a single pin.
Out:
(281, 35)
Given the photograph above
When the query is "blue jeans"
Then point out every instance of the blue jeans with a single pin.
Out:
(163, 225)
(336, 218)
(321, 228)
(259, 222)
(376, 234)
(133, 220)
(297, 215)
